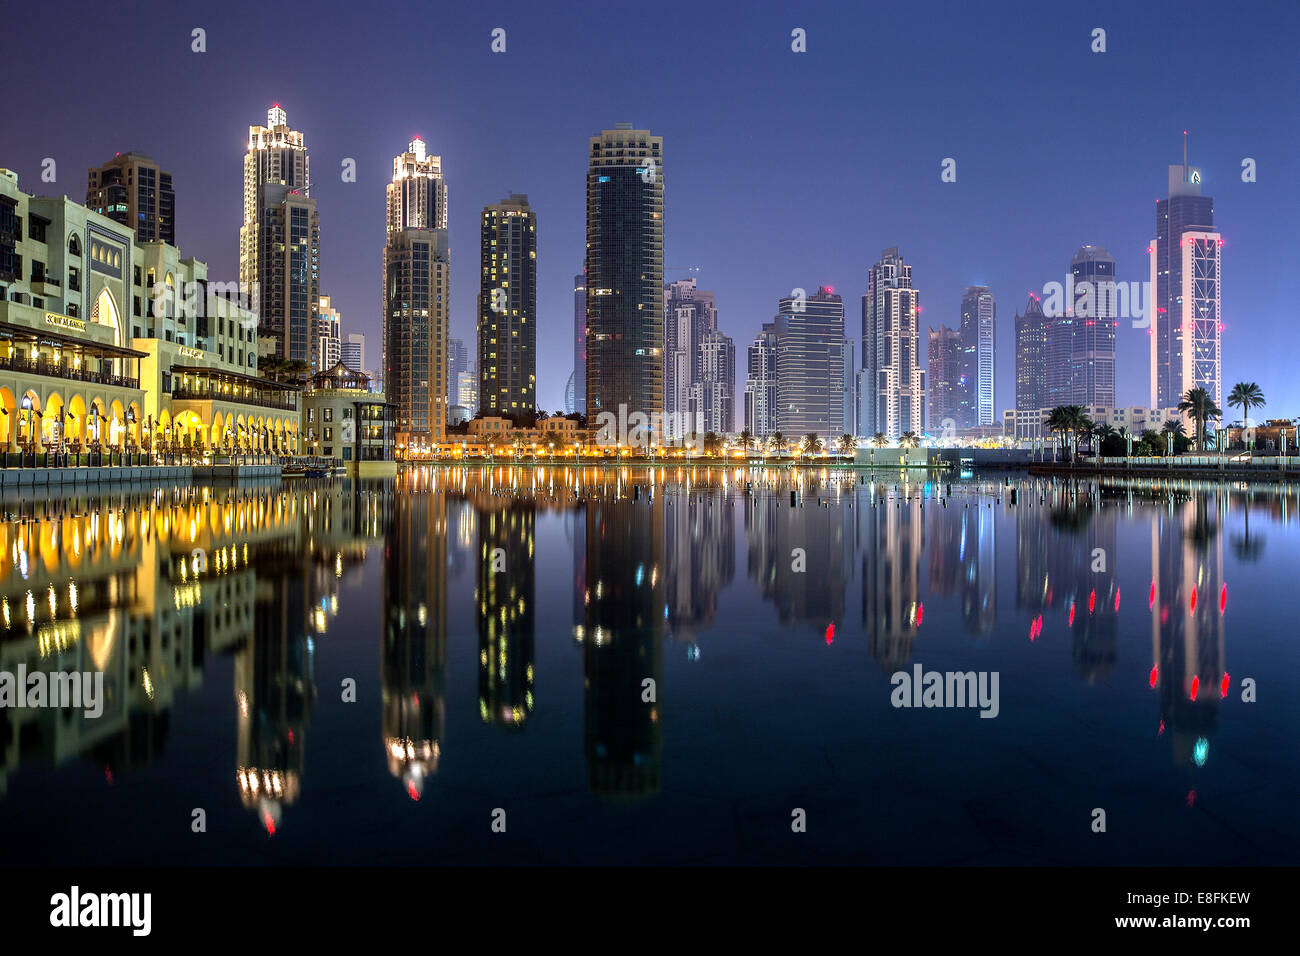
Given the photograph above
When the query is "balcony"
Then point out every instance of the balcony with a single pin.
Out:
(200, 394)
(60, 370)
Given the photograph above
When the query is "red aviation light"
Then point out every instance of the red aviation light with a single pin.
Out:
(1092, 601)
(1223, 685)
(1191, 606)
(1196, 686)
(1071, 614)
(1117, 599)
(1155, 675)
(830, 633)
(920, 612)
(1223, 598)
(1151, 599)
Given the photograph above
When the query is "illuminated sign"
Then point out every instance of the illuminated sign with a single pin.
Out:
(64, 322)
(189, 352)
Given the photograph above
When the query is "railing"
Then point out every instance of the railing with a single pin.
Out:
(60, 370)
(208, 395)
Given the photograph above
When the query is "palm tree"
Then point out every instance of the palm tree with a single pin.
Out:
(812, 445)
(1080, 424)
(551, 439)
(1247, 395)
(746, 440)
(1058, 423)
(1103, 432)
(848, 444)
(778, 442)
(909, 440)
(1152, 438)
(879, 440)
(1173, 428)
(711, 443)
(1199, 404)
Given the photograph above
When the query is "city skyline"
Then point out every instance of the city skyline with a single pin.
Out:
(1032, 216)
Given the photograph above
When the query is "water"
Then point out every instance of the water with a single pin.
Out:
(500, 627)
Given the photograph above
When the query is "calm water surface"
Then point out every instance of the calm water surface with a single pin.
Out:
(344, 673)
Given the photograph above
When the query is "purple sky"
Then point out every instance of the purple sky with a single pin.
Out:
(781, 169)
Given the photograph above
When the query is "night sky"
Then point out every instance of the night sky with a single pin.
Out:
(781, 169)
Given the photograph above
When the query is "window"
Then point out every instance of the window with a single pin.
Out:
(328, 414)
(329, 433)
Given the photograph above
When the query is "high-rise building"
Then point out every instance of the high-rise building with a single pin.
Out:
(134, 190)
(416, 298)
(760, 383)
(944, 359)
(1081, 343)
(279, 241)
(1185, 258)
(809, 365)
(467, 391)
(457, 362)
(892, 397)
(712, 405)
(625, 272)
(1031, 358)
(699, 363)
(507, 310)
(580, 344)
(327, 350)
(978, 313)
(352, 352)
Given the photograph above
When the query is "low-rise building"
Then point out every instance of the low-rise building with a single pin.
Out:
(344, 420)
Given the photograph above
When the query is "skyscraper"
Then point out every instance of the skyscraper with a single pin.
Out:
(809, 365)
(712, 405)
(416, 298)
(134, 190)
(1031, 359)
(760, 383)
(327, 349)
(457, 362)
(978, 313)
(580, 343)
(625, 272)
(507, 310)
(1081, 343)
(944, 357)
(699, 363)
(279, 241)
(892, 396)
(352, 352)
(1185, 258)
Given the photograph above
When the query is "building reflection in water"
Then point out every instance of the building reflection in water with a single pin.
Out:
(961, 547)
(413, 654)
(504, 593)
(1188, 598)
(891, 536)
(625, 609)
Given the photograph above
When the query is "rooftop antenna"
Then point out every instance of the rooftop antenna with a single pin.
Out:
(1184, 149)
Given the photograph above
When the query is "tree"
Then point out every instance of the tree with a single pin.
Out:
(879, 440)
(909, 440)
(1247, 395)
(778, 442)
(1199, 404)
(712, 443)
(551, 439)
(812, 445)
(746, 440)
(1171, 431)
(848, 444)
(1058, 423)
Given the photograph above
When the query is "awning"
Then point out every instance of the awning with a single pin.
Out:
(12, 330)
(223, 375)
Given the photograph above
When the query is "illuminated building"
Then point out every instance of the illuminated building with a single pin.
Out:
(944, 359)
(1081, 342)
(1031, 366)
(327, 351)
(892, 540)
(1186, 328)
(625, 272)
(279, 241)
(978, 315)
(891, 395)
(507, 309)
(579, 345)
(699, 364)
(809, 365)
(344, 420)
(416, 300)
(760, 383)
(133, 190)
